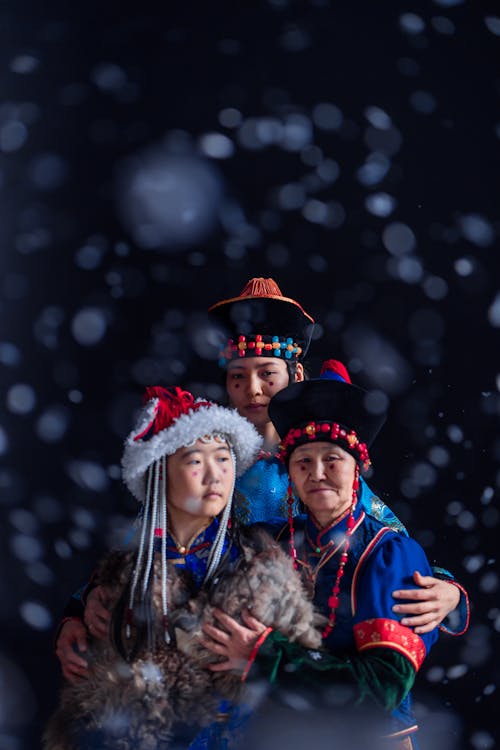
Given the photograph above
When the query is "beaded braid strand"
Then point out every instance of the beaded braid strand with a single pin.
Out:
(218, 543)
(293, 550)
(333, 599)
(163, 527)
(140, 554)
(154, 515)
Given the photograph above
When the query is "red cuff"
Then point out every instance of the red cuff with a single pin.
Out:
(390, 634)
(258, 643)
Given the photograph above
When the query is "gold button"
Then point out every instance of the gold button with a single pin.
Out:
(182, 550)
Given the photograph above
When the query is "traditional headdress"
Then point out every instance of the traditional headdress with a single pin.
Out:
(261, 322)
(328, 409)
(172, 419)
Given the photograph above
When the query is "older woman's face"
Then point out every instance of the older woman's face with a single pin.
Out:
(200, 479)
(323, 474)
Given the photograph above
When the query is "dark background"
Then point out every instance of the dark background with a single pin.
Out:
(150, 163)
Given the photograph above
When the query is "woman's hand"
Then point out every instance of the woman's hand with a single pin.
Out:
(72, 638)
(235, 642)
(432, 602)
(97, 617)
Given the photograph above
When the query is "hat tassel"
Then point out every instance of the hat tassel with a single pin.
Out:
(290, 503)
(140, 554)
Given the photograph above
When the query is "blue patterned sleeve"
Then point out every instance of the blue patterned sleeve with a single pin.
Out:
(390, 566)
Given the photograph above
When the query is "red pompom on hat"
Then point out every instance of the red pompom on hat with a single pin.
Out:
(170, 405)
(332, 369)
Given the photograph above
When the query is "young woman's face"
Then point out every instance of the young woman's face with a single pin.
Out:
(200, 479)
(323, 474)
(252, 382)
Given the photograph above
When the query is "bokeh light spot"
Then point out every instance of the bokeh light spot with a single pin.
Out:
(89, 326)
(36, 615)
(399, 239)
(216, 146)
(411, 23)
(380, 204)
(21, 398)
(52, 424)
(168, 200)
(493, 24)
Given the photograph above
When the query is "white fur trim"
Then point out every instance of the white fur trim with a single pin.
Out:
(184, 431)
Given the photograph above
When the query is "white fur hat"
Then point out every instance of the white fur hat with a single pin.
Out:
(172, 419)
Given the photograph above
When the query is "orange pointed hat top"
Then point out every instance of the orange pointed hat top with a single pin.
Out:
(261, 322)
(259, 288)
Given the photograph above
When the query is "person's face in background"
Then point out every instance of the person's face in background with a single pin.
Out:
(251, 382)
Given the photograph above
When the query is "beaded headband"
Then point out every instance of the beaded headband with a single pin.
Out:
(262, 308)
(259, 346)
(331, 432)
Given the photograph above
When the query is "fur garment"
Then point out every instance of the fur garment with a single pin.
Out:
(131, 702)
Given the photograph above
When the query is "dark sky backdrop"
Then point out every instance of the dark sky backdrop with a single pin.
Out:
(150, 163)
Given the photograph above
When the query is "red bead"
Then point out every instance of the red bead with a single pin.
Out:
(333, 601)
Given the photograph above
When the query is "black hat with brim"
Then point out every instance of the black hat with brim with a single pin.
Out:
(261, 310)
(324, 401)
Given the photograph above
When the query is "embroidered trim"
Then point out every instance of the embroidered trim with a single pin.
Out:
(367, 551)
(380, 631)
